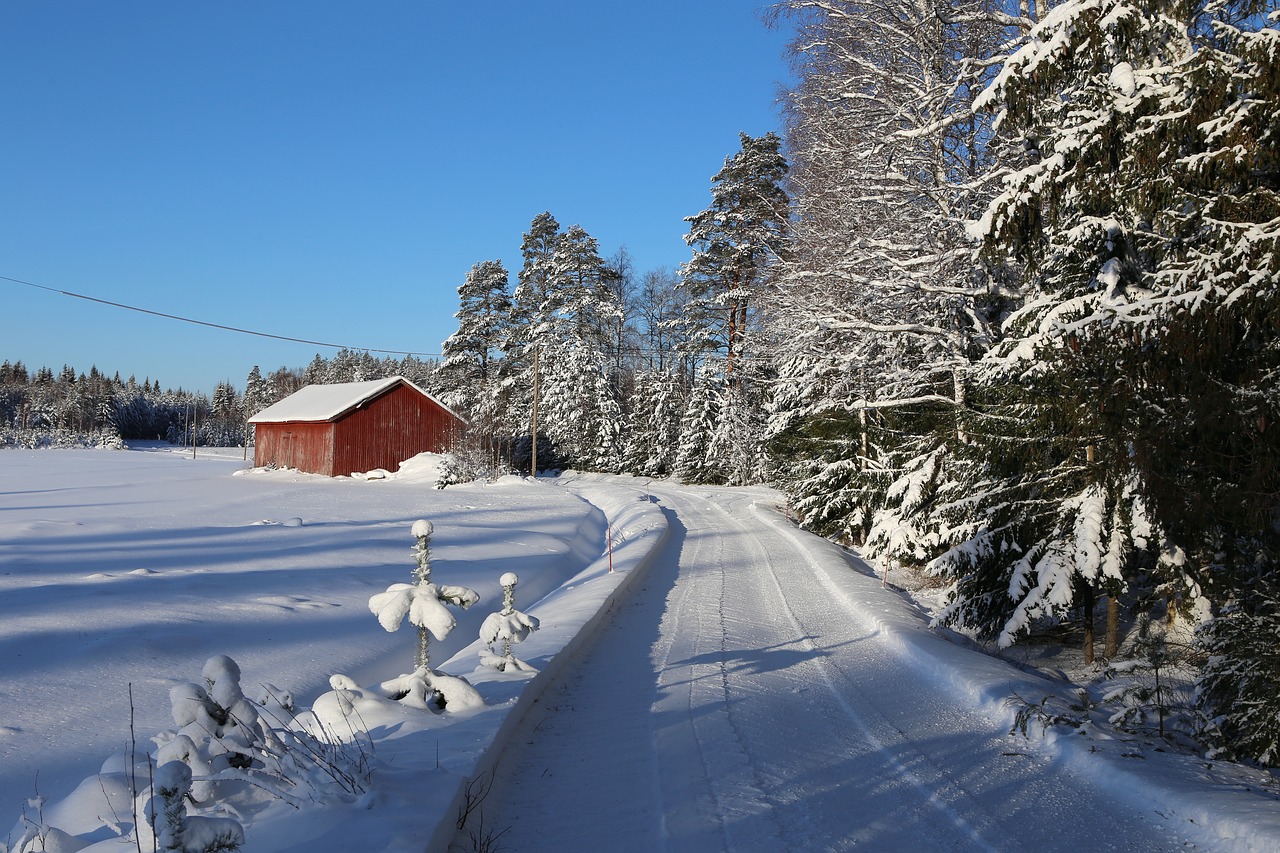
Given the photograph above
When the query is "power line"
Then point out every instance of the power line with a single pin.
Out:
(754, 352)
(208, 324)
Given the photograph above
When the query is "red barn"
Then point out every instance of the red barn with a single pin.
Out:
(353, 426)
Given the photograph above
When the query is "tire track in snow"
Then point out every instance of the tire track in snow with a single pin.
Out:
(927, 778)
(868, 752)
(727, 796)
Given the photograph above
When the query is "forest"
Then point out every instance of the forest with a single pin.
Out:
(999, 305)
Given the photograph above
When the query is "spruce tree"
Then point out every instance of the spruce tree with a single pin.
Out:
(695, 462)
(1055, 516)
(257, 393)
(1144, 212)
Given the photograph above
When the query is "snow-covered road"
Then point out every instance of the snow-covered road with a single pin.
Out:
(745, 699)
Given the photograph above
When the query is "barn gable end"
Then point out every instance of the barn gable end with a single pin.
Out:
(355, 426)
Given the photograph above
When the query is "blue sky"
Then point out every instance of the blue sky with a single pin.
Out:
(331, 170)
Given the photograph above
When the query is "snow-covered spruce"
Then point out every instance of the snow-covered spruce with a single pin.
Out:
(508, 625)
(175, 830)
(424, 603)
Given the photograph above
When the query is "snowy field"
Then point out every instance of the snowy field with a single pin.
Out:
(122, 569)
(734, 684)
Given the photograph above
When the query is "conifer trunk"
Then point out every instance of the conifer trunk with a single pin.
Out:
(1087, 603)
(732, 334)
(1112, 646)
(866, 448)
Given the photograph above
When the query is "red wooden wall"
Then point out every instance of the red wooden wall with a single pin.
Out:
(389, 429)
(305, 446)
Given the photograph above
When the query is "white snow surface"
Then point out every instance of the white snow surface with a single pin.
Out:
(733, 684)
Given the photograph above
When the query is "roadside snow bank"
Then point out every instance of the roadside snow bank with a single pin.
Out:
(429, 769)
(1231, 806)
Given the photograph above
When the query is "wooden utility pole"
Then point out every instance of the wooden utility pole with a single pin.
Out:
(533, 469)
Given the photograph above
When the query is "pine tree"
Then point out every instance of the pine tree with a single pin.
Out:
(536, 278)
(580, 303)
(734, 241)
(527, 330)
(470, 365)
(563, 310)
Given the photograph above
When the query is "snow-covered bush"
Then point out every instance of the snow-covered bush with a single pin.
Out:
(470, 461)
(229, 755)
(431, 690)
(508, 625)
(218, 728)
(424, 603)
(239, 752)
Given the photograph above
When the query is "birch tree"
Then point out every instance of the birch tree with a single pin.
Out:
(882, 303)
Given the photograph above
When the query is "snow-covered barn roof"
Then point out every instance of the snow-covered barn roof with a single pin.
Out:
(321, 403)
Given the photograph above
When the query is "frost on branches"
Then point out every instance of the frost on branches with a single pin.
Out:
(880, 303)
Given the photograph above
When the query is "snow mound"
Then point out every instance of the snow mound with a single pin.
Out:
(424, 468)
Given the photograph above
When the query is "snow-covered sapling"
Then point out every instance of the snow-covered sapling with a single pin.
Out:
(508, 625)
(175, 830)
(424, 603)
